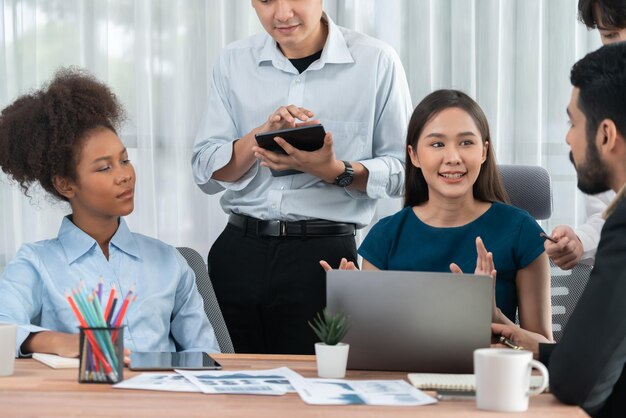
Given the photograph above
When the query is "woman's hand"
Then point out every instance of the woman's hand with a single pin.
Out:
(127, 357)
(485, 267)
(343, 265)
(66, 345)
(484, 261)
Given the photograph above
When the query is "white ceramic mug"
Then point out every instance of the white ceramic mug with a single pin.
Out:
(7, 348)
(503, 379)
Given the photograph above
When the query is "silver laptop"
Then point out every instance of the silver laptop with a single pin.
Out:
(412, 321)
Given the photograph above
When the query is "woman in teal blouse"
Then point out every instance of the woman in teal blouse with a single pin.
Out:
(63, 137)
(455, 209)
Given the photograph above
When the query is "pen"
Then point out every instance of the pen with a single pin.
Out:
(509, 343)
(548, 237)
(455, 395)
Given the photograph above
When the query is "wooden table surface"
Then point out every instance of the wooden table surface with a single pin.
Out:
(38, 391)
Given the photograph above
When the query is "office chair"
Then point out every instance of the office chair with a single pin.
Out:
(211, 307)
(567, 288)
(529, 188)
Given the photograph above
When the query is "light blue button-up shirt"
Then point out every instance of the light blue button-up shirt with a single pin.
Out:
(357, 89)
(168, 310)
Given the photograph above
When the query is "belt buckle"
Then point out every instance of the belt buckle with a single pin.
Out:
(282, 228)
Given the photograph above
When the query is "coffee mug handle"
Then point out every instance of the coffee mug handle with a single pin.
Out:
(544, 378)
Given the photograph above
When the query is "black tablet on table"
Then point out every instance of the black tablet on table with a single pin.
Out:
(191, 360)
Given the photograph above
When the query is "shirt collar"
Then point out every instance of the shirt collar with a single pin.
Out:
(76, 242)
(621, 194)
(335, 50)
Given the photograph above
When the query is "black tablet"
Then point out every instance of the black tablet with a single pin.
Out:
(189, 360)
(305, 138)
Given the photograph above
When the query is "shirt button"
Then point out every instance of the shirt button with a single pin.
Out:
(273, 205)
(297, 80)
(282, 188)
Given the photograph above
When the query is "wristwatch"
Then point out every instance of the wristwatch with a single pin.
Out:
(345, 179)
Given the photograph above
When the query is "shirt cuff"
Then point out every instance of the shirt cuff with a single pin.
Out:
(221, 157)
(545, 351)
(23, 331)
(378, 179)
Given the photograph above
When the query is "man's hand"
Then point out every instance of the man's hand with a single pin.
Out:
(527, 340)
(320, 163)
(286, 117)
(568, 249)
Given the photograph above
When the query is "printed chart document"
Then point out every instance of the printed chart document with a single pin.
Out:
(249, 382)
(170, 382)
(360, 392)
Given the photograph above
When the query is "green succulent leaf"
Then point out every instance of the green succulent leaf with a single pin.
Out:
(330, 328)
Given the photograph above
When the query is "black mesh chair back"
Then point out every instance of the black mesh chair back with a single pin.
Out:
(211, 307)
(529, 188)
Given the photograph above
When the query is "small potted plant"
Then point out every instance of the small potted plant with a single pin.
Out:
(331, 354)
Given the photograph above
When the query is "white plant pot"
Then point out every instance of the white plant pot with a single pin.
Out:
(331, 360)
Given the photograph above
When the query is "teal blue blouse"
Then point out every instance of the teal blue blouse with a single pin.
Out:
(403, 242)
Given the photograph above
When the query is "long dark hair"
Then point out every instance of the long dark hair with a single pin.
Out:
(488, 186)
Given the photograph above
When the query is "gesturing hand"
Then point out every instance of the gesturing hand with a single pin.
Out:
(484, 267)
(568, 249)
(343, 265)
(484, 261)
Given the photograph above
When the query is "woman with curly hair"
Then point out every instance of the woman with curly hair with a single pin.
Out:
(64, 138)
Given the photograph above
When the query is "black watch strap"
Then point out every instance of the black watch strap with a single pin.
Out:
(345, 179)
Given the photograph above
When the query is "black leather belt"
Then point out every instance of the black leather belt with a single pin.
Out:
(314, 228)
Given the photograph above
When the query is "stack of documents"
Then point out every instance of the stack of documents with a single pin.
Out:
(281, 381)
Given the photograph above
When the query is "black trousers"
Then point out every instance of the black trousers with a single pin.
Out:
(269, 288)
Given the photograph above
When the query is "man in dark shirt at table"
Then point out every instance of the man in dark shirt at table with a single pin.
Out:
(587, 365)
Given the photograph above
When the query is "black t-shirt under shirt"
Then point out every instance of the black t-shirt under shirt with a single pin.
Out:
(302, 64)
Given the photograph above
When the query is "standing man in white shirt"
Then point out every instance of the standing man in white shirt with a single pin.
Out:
(580, 245)
(264, 266)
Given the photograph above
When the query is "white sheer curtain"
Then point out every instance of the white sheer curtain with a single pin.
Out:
(513, 56)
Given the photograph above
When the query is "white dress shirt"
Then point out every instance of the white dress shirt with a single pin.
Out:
(589, 232)
(357, 89)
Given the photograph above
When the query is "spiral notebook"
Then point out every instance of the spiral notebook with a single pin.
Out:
(457, 382)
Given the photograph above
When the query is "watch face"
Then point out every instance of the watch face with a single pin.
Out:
(344, 181)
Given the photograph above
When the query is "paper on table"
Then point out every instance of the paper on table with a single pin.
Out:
(171, 382)
(360, 392)
(459, 382)
(56, 362)
(250, 382)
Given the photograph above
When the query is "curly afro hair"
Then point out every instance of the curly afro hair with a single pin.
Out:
(41, 133)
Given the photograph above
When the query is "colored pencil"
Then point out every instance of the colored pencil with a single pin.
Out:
(112, 296)
(89, 336)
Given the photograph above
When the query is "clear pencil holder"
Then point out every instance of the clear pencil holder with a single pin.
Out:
(101, 355)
